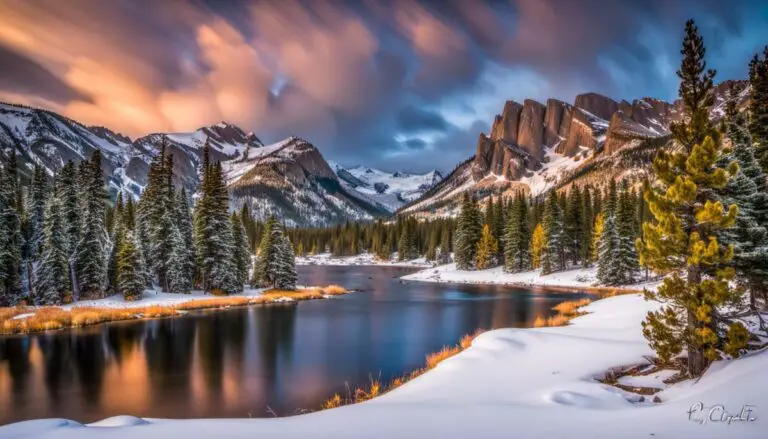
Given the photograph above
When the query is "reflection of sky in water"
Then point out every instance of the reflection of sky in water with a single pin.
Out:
(238, 362)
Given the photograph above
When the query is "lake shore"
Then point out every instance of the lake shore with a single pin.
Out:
(364, 259)
(535, 382)
(153, 304)
(576, 279)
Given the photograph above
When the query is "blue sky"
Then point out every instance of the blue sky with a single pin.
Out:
(405, 85)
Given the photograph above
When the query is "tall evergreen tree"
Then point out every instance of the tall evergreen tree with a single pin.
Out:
(625, 256)
(184, 224)
(38, 195)
(10, 235)
(553, 256)
(91, 259)
(444, 256)
(241, 255)
(517, 239)
(608, 270)
(683, 237)
(758, 108)
(574, 215)
(285, 276)
(468, 231)
(130, 270)
(52, 275)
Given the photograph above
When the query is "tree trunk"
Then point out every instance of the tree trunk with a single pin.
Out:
(73, 279)
(696, 360)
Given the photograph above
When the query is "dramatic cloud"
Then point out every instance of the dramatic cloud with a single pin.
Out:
(380, 83)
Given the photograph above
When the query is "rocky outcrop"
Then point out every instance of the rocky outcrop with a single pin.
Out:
(530, 136)
(584, 132)
(557, 112)
(506, 125)
(599, 105)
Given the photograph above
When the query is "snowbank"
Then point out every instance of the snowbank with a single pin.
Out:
(521, 383)
(154, 297)
(576, 278)
(361, 259)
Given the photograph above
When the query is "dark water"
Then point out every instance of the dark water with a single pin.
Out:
(247, 361)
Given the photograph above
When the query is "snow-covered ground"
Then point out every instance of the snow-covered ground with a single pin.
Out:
(578, 277)
(361, 259)
(155, 297)
(521, 383)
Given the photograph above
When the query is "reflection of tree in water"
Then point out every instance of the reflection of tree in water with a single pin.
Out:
(276, 326)
(122, 339)
(58, 364)
(169, 347)
(211, 340)
(15, 352)
(88, 351)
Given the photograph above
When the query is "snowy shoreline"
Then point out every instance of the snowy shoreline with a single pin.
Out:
(363, 259)
(577, 278)
(535, 382)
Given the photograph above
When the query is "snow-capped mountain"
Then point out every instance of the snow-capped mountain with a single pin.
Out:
(392, 189)
(50, 139)
(536, 147)
(291, 180)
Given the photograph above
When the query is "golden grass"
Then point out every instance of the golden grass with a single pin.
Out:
(53, 317)
(565, 312)
(374, 388)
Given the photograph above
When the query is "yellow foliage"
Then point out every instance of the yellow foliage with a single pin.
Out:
(537, 245)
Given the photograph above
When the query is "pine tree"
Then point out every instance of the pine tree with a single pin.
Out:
(588, 223)
(517, 240)
(263, 267)
(131, 280)
(573, 224)
(537, 245)
(683, 237)
(749, 235)
(179, 280)
(241, 255)
(608, 271)
(625, 257)
(38, 195)
(91, 260)
(52, 275)
(184, 224)
(758, 108)
(117, 234)
(431, 253)
(553, 256)
(285, 277)
(10, 235)
(487, 249)
(445, 244)
(468, 231)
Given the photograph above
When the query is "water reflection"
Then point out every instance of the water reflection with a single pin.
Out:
(252, 361)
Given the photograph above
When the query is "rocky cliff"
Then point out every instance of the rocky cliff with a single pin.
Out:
(539, 147)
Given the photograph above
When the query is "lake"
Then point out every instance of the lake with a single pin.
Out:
(258, 361)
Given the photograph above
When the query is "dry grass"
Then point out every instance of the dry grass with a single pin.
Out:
(52, 317)
(565, 312)
(374, 388)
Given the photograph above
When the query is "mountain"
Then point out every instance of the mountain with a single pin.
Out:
(537, 147)
(291, 180)
(389, 189)
(50, 139)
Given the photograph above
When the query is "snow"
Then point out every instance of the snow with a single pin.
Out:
(361, 259)
(234, 169)
(551, 171)
(23, 316)
(577, 277)
(522, 383)
(154, 297)
(655, 379)
(400, 187)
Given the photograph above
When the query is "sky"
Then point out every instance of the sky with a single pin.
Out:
(403, 85)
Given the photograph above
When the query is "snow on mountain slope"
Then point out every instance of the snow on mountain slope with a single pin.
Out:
(51, 140)
(390, 189)
(291, 180)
